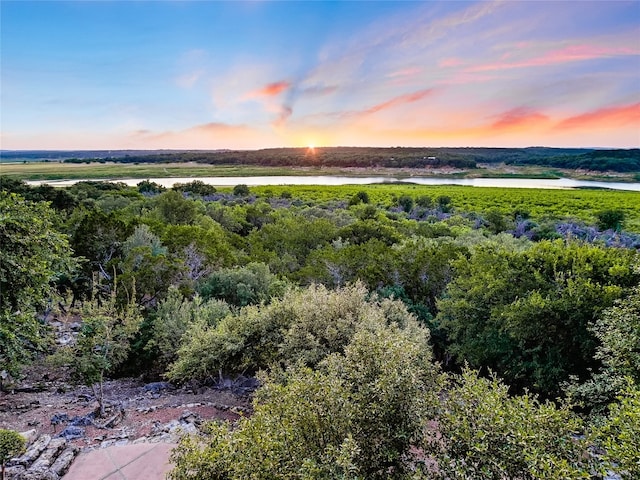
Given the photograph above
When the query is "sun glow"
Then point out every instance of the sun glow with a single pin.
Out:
(311, 148)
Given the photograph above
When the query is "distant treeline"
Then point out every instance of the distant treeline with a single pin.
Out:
(396, 157)
(600, 160)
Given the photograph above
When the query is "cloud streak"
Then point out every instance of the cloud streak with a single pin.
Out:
(573, 53)
(271, 90)
(608, 117)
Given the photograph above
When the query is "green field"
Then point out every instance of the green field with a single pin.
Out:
(112, 171)
(570, 204)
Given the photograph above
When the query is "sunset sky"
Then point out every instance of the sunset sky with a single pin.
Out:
(208, 75)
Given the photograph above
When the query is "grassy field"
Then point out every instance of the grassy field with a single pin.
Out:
(113, 171)
(560, 204)
(577, 204)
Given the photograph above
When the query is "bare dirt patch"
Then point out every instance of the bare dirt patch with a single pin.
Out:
(48, 406)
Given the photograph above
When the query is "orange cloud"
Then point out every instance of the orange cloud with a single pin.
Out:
(521, 117)
(271, 90)
(604, 117)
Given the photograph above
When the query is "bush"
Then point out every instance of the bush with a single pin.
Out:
(359, 197)
(302, 327)
(241, 190)
(356, 416)
(173, 317)
(610, 220)
(483, 432)
(11, 445)
(242, 286)
(406, 203)
(620, 435)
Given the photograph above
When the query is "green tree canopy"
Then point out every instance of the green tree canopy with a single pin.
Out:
(32, 256)
(526, 314)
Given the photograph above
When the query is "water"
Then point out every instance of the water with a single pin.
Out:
(562, 183)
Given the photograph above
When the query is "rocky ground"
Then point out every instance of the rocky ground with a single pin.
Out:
(59, 420)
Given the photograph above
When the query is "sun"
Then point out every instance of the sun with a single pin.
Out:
(312, 148)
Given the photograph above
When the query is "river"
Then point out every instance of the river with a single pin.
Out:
(561, 183)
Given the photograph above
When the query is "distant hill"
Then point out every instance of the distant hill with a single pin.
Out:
(620, 160)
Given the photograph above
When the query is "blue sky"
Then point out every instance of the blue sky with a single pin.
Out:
(180, 74)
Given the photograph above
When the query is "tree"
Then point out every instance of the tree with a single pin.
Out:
(195, 187)
(359, 197)
(618, 330)
(483, 432)
(497, 222)
(98, 237)
(175, 209)
(619, 436)
(173, 317)
(526, 313)
(241, 190)
(11, 445)
(32, 256)
(150, 188)
(241, 286)
(610, 220)
(104, 341)
(406, 203)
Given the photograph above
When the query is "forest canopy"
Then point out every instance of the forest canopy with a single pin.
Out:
(397, 331)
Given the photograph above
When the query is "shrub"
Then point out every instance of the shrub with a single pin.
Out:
(483, 432)
(620, 435)
(11, 445)
(302, 327)
(356, 416)
(241, 190)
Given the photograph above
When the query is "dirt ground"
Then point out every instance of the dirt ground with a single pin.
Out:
(38, 400)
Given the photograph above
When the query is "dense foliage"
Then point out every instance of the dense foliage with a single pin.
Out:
(32, 256)
(358, 307)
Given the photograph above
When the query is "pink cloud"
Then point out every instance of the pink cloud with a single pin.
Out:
(405, 72)
(320, 91)
(203, 130)
(604, 117)
(215, 128)
(450, 62)
(270, 90)
(521, 117)
(567, 54)
(396, 101)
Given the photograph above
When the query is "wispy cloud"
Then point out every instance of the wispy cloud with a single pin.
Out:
(188, 80)
(270, 90)
(605, 117)
(520, 117)
(572, 53)
(394, 102)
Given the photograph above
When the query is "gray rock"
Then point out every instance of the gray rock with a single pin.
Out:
(71, 433)
(29, 435)
(156, 387)
(46, 458)
(34, 450)
(190, 417)
(64, 461)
